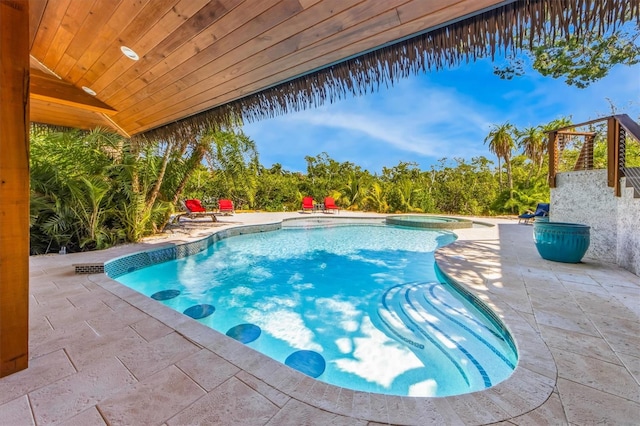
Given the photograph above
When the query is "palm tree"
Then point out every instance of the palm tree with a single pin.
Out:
(376, 198)
(532, 142)
(501, 143)
(352, 191)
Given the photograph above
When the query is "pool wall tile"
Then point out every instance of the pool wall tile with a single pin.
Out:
(126, 264)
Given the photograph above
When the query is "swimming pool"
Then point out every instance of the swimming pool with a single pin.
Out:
(355, 306)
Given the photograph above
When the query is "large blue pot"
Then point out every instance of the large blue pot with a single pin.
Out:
(561, 242)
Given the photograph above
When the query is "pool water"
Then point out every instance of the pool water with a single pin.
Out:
(355, 306)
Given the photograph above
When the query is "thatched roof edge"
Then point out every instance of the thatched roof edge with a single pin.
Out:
(505, 29)
(44, 128)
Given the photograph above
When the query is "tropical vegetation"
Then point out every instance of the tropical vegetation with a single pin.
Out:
(91, 190)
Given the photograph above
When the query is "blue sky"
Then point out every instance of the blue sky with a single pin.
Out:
(434, 115)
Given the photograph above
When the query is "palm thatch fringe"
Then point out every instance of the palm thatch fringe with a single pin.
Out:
(44, 128)
(506, 29)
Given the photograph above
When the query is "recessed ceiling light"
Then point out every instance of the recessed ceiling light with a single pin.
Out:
(129, 53)
(88, 90)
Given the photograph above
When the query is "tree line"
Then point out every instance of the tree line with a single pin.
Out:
(91, 190)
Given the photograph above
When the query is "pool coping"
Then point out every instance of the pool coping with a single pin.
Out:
(529, 387)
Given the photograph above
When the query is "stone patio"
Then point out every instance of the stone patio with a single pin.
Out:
(104, 354)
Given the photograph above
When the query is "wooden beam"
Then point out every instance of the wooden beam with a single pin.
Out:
(51, 89)
(565, 132)
(14, 186)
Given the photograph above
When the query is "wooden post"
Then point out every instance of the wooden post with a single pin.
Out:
(14, 186)
(553, 158)
(612, 151)
(613, 155)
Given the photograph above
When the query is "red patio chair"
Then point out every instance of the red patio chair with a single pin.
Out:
(226, 206)
(195, 209)
(307, 204)
(330, 205)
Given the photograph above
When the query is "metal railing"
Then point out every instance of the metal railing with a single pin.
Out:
(610, 142)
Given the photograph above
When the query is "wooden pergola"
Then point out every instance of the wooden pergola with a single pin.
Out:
(151, 68)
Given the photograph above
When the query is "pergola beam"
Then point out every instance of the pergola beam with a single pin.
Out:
(57, 91)
(14, 186)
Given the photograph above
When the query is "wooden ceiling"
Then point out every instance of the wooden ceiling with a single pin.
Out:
(199, 54)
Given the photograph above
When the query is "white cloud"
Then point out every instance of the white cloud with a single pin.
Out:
(431, 121)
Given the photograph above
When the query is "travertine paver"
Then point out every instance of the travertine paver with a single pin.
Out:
(150, 329)
(231, 403)
(198, 367)
(17, 412)
(585, 405)
(70, 396)
(298, 413)
(42, 371)
(103, 354)
(90, 416)
(147, 359)
(153, 400)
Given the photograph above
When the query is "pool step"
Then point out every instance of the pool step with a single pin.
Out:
(438, 327)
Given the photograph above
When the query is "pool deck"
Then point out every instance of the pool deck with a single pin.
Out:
(101, 353)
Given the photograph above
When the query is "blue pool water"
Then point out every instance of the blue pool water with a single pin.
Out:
(355, 306)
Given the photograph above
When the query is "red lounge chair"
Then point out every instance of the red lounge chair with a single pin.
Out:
(307, 204)
(226, 206)
(330, 204)
(195, 209)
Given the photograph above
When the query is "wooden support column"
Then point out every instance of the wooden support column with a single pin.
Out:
(553, 158)
(613, 155)
(612, 151)
(14, 186)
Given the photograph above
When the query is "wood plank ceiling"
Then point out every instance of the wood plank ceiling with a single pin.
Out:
(195, 55)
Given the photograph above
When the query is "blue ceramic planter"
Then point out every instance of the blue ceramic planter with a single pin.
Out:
(561, 242)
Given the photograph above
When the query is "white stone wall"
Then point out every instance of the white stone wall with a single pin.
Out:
(628, 250)
(584, 197)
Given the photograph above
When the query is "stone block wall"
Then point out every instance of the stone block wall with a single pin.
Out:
(628, 250)
(584, 197)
